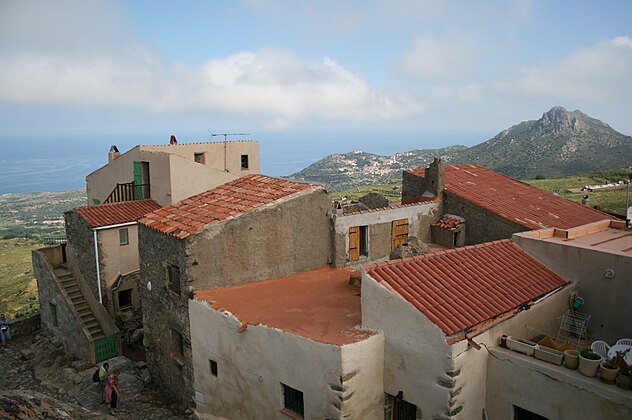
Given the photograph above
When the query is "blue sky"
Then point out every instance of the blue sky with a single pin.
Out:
(383, 76)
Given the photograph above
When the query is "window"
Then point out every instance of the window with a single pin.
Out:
(212, 365)
(358, 242)
(292, 400)
(96, 201)
(522, 414)
(123, 236)
(199, 158)
(125, 299)
(174, 278)
(53, 313)
(177, 342)
(396, 408)
(244, 161)
(399, 233)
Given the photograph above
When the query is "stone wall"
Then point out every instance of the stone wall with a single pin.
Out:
(274, 241)
(413, 186)
(482, 225)
(164, 311)
(57, 314)
(129, 319)
(80, 247)
(25, 326)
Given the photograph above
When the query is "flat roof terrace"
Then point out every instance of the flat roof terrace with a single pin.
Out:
(320, 305)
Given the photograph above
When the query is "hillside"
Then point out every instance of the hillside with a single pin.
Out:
(561, 143)
(347, 170)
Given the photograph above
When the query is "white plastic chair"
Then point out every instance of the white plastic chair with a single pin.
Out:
(600, 347)
(625, 341)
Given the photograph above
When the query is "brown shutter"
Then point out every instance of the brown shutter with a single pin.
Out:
(399, 233)
(354, 243)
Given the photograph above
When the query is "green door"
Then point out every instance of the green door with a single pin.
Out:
(138, 180)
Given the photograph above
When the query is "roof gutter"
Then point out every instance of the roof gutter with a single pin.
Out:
(96, 252)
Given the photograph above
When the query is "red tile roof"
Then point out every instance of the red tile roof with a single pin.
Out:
(232, 199)
(513, 200)
(460, 288)
(115, 213)
(447, 222)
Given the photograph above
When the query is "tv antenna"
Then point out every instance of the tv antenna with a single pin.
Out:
(226, 143)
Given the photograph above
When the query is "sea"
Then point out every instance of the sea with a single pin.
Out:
(40, 163)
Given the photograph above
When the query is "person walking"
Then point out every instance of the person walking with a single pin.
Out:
(112, 393)
(103, 379)
(5, 329)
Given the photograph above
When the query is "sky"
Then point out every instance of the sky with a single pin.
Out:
(310, 76)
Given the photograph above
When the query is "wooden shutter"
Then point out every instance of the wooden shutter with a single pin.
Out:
(138, 181)
(399, 233)
(354, 243)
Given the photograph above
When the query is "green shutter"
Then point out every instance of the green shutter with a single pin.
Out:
(138, 180)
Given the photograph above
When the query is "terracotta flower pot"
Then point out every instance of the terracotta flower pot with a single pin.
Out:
(624, 380)
(571, 359)
(589, 367)
(608, 373)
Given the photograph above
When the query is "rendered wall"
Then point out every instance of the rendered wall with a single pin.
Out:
(272, 241)
(189, 178)
(482, 225)
(164, 310)
(379, 222)
(606, 300)
(253, 364)
(550, 391)
(417, 360)
(115, 258)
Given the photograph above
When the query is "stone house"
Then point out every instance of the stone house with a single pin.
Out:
(172, 172)
(494, 206)
(253, 228)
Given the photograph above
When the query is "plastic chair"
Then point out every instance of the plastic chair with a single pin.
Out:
(625, 341)
(600, 347)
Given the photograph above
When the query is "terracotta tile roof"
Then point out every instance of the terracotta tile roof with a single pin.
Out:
(115, 213)
(229, 200)
(447, 222)
(513, 200)
(458, 289)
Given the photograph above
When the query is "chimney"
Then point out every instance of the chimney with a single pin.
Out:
(435, 177)
(173, 140)
(113, 153)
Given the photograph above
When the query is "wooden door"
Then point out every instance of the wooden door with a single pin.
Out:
(354, 243)
(399, 233)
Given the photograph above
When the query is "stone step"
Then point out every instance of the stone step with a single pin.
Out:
(75, 294)
(84, 311)
(69, 283)
(73, 288)
(62, 272)
(95, 331)
(95, 336)
(92, 323)
(81, 306)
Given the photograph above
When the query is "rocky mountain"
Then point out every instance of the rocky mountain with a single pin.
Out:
(561, 143)
(346, 170)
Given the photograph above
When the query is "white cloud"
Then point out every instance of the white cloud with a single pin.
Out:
(92, 69)
(600, 72)
(432, 59)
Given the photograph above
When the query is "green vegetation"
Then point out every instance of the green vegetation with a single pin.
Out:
(18, 288)
(392, 192)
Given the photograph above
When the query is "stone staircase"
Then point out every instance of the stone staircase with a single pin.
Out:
(81, 306)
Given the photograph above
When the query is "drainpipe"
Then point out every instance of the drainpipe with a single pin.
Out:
(96, 252)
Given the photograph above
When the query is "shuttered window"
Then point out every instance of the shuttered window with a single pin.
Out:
(399, 233)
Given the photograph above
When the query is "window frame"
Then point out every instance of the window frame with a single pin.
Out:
(201, 156)
(118, 297)
(245, 164)
(292, 406)
(123, 231)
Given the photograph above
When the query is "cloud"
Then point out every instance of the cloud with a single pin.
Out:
(433, 59)
(600, 72)
(274, 85)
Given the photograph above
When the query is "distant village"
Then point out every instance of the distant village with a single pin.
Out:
(256, 297)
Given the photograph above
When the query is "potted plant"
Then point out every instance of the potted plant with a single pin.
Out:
(609, 369)
(589, 362)
(571, 359)
(624, 380)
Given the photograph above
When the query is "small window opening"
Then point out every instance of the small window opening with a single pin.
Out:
(522, 414)
(364, 241)
(177, 342)
(199, 158)
(293, 400)
(96, 201)
(123, 236)
(244, 161)
(125, 299)
(212, 365)
(53, 313)
(174, 278)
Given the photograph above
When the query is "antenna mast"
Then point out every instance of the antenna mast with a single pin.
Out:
(226, 141)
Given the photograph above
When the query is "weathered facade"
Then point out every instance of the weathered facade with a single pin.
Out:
(370, 235)
(170, 173)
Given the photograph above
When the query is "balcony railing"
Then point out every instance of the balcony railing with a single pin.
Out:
(128, 192)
